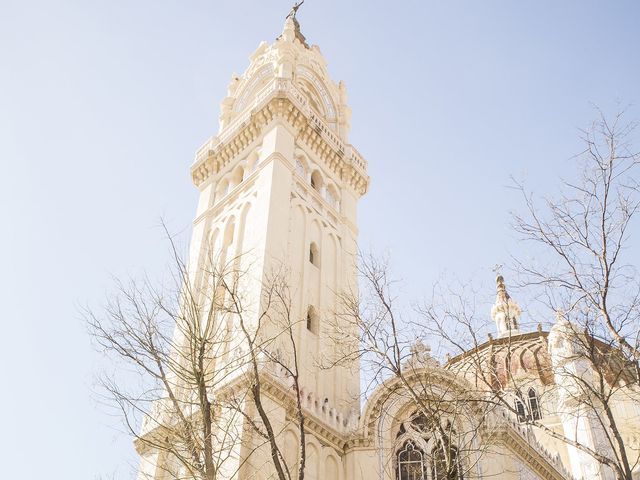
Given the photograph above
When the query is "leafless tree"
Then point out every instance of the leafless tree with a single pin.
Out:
(585, 235)
(575, 376)
(585, 277)
(191, 363)
(399, 366)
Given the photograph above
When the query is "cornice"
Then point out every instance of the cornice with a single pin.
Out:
(532, 458)
(281, 100)
(313, 424)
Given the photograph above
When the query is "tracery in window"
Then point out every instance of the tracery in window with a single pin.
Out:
(411, 463)
(444, 463)
(424, 454)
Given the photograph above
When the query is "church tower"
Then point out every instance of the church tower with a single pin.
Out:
(278, 192)
(279, 187)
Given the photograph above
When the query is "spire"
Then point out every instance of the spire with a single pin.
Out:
(291, 28)
(505, 311)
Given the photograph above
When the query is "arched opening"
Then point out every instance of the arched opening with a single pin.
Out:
(331, 469)
(252, 161)
(520, 410)
(426, 452)
(312, 320)
(314, 99)
(223, 188)
(444, 462)
(314, 254)
(534, 405)
(331, 195)
(228, 233)
(410, 463)
(301, 165)
(237, 177)
(316, 181)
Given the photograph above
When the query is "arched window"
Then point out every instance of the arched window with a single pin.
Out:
(316, 181)
(331, 195)
(443, 466)
(237, 177)
(223, 188)
(314, 254)
(312, 320)
(411, 463)
(252, 161)
(440, 460)
(520, 410)
(534, 405)
(507, 365)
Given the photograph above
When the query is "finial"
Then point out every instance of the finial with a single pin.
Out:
(502, 289)
(505, 312)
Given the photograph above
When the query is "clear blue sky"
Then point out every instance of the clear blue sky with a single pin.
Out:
(103, 103)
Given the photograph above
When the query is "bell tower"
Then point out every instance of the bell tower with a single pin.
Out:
(278, 192)
(279, 187)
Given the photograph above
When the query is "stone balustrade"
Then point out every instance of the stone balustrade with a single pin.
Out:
(279, 87)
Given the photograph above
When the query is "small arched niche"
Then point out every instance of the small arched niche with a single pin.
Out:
(312, 320)
(223, 188)
(229, 232)
(316, 181)
(332, 196)
(252, 161)
(314, 254)
(237, 177)
(301, 166)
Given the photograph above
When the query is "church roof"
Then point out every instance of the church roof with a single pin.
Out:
(499, 361)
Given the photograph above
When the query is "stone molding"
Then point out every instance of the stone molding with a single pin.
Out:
(281, 100)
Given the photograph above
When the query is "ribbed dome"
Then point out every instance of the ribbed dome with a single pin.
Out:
(495, 362)
(498, 361)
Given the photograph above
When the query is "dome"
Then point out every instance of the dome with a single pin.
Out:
(500, 362)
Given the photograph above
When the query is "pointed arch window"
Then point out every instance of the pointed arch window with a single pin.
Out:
(444, 464)
(312, 320)
(411, 463)
(424, 454)
(520, 410)
(534, 405)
